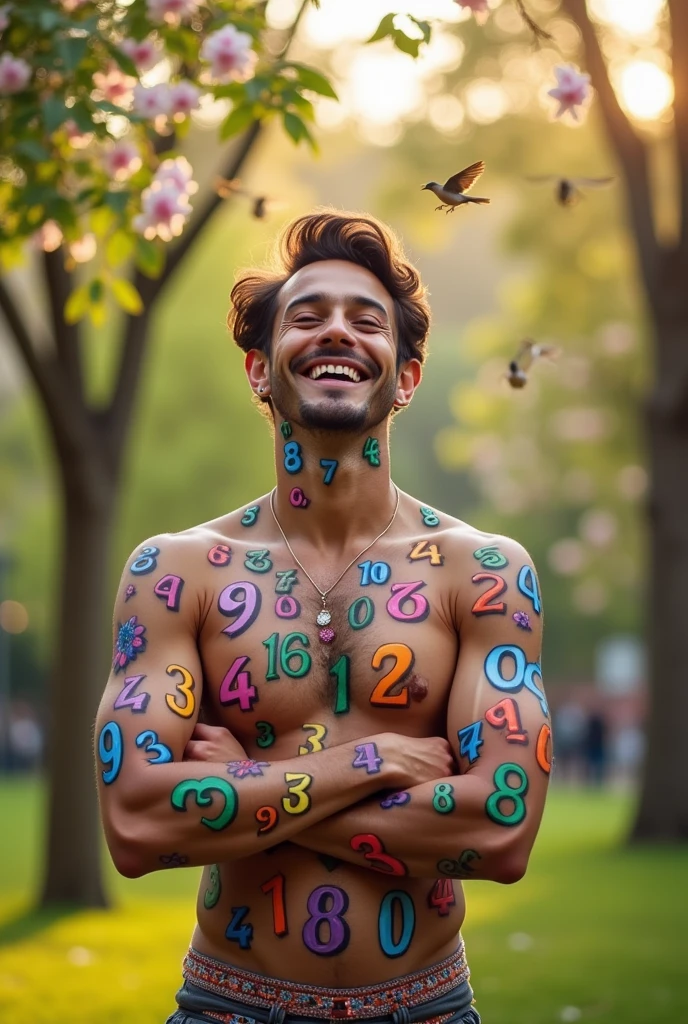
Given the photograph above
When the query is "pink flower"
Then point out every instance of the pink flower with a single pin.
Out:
(164, 212)
(476, 6)
(48, 237)
(144, 53)
(14, 74)
(77, 138)
(171, 10)
(573, 88)
(121, 160)
(177, 173)
(5, 16)
(114, 86)
(150, 103)
(185, 96)
(229, 54)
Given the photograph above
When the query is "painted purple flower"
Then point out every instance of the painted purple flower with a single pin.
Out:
(522, 620)
(240, 769)
(129, 643)
(129, 592)
(395, 800)
(174, 860)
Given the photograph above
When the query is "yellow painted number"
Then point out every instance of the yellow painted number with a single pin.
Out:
(301, 784)
(186, 687)
(314, 741)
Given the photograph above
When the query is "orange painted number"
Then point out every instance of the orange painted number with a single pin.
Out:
(403, 655)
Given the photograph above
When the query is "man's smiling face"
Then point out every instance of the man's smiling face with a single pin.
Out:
(333, 358)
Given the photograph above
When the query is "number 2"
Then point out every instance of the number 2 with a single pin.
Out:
(485, 605)
(403, 655)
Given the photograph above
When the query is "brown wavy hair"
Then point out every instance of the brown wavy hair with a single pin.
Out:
(331, 234)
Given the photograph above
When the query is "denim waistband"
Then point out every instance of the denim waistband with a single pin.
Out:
(280, 999)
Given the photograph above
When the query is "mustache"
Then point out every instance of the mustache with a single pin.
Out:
(332, 355)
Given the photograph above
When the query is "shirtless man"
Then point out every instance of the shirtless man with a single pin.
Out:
(372, 723)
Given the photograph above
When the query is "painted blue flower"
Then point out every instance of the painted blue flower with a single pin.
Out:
(130, 642)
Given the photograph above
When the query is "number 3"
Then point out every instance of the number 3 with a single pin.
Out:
(186, 687)
(301, 784)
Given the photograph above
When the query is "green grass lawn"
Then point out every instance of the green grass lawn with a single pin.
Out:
(594, 932)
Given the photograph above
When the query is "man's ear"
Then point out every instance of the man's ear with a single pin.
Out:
(257, 371)
(408, 379)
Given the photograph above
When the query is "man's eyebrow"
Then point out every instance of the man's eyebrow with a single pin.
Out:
(354, 300)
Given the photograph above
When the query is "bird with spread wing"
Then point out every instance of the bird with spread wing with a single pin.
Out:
(453, 192)
(568, 191)
(528, 352)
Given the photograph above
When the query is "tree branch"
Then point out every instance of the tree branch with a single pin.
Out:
(66, 336)
(629, 149)
(679, 59)
(63, 407)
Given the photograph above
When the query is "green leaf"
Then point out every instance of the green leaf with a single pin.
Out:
(236, 121)
(424, 26)
(102, 219)
(120, 247)
(127, 296)
(294, 126)
(150, 257)
(96, 290)
(117, 201)
(55, 113)
(406, 44)
(384, 29)
(33, 150)
(72, 50)
(97, 312)
(125, 63)
(77, 304)
(313, 80)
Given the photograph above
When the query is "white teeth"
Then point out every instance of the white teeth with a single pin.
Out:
(345, 371)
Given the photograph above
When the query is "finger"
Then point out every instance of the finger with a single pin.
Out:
(207, 732)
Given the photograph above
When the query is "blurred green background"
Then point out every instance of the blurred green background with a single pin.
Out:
(595, 931)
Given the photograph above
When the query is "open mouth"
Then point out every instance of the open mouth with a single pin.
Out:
(342, 373)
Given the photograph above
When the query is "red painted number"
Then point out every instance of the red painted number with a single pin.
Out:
(484, 605)
(442, 896)
(372, 849)
(506, 714)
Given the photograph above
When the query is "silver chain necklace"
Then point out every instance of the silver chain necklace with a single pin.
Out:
(324, 616)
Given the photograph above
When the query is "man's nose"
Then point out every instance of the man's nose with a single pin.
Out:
(336, 331)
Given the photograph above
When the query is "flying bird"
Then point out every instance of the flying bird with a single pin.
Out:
(528, 352)
(453, 192)
(260, 205)
(568, 190)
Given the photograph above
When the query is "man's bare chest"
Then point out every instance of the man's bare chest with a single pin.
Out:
(276, 677)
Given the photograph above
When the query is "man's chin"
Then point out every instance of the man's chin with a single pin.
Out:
(334, 413)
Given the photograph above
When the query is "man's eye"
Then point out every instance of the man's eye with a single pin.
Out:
(368, 323)
(305, 318)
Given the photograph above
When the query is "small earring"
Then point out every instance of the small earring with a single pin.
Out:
(261, 390)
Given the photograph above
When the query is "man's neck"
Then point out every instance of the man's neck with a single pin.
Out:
(356, 502)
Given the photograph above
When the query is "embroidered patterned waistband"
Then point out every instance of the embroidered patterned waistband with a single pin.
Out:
(318, 1001)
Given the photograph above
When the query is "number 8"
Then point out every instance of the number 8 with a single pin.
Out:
(292, 457)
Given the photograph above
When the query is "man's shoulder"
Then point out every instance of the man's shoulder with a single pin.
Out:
(467, 542)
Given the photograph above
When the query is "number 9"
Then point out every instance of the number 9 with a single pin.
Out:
(110, 754)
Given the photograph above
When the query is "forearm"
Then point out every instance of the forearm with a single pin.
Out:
(444, 828)
(204, 812)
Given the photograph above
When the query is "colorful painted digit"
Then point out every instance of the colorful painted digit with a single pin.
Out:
(402, 594)
(327, 918)
(470, 741)
(212, 894)
(423, 549)
(185, 688)
(429, 516)
(367, 757)
(220, 555)
(287, 579)
(373, 850)
(543, 749)
(258, 561)
(267, 817)
(487, 603)
(442, 896)
(293, 462)
(361, 613)
(340, 672)
(126, 698)
(505, 791)
(202, 790)
(238, 932)
(236, 686)
(403, 655)
(169, 588)
(527, 583)
(149, 741)
(315, 741)
(391, 947)
(243, 609)
(266, 735)
(505, 715)
(250, 515)
(374, 572)
(443, 799)
(330, 467)
(491, 557)
(287, 607)
(300, 783)
(110, 751)
(275, 887)
(371, 451)
(145, 562)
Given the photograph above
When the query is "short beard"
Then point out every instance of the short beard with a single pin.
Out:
(333, 414)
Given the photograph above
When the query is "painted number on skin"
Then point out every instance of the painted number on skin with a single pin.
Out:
(441, 896)
(258, 561)
(505, 791)
(202, 790)
(402, 595)
(371, 451)
(243, 609)
(185, 688)
(361, 613)
(543, 749)
(126, 699)
(220, 555)
(266, 735)
(491, 557)
(443, 799)
(326, 933)
(470, 741)
(110, 751)
(390, 946)
(340, 672)
(487, 603)
(374, 572)
(429, 517)
(373, 850)
(330, 467)
(299, 789)
(238, 932)
(403, 655)
(169, 588)
(527, 583)
(149, 741)
(367, 757)
(275, 887)
(287, 607)
(505, 715)
(250, 515)
(286, 581)
(422, 549)
(315, 741)
(298, 499)
(267, 817)
(236, 686)
(294, 663)
(293, 463)
(212, 894)
(524, 672)
(145, 562)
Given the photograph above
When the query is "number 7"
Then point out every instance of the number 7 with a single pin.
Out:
(329, 465)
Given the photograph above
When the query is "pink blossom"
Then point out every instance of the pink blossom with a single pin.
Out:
(121, 160)
(48, 237)
(171, 10)
(164, 212)
(150, 103)
(573, 88)
(184, 96)
(114, 86)
(5, 16)
(476, 6)
(177, 173)
(14, 74)
(77, 138)
(229, 54)
(145, 53)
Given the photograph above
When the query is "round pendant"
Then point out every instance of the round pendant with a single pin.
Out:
(327, 635)
(324, 618)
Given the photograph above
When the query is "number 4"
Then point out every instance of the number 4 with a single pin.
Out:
(424, 550)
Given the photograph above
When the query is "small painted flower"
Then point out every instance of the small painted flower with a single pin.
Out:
(572, 89)
(229, 54)
(14, 74)
(395, 800)
(171, 10)
(130, 642)
(184, 96)
(240, 769)
(151, 103)
(129, 592)
(522, 620)
(121, 160)
(145, 53)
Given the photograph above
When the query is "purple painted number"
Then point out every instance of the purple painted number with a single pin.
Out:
(337, 929)
(402, 593)
(367, 757)
(245, 609)
(125, 698)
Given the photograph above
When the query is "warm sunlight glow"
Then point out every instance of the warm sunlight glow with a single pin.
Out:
(634, 17)
(646, 90)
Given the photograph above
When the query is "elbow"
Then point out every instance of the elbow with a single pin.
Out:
(511, 866)
(126, 848)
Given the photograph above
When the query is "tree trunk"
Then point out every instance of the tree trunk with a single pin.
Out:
(663, 809)
(72, 874)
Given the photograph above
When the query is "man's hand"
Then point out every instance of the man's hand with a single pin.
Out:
(424, 758)
(213, 743)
